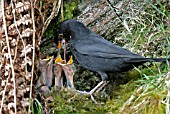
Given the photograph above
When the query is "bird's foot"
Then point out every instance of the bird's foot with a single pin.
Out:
(95, 89)
(88, 93)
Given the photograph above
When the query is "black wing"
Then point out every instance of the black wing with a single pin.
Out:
(96, 46)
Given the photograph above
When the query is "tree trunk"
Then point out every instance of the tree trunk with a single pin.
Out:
(24, 23)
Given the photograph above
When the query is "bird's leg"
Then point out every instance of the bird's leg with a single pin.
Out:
(99, 86)
(104, 82)
(95, 89)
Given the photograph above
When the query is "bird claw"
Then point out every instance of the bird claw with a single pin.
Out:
(88, 93)
(92, 98)
(83, 92)
(95, 89)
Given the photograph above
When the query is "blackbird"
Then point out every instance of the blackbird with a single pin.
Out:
(99, 55)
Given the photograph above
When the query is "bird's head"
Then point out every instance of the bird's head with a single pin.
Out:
(71, 28)
(65, 28)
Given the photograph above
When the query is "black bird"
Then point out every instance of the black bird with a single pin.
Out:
(99, 55)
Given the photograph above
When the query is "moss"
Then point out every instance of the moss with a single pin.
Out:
(68, 101)
(146, 103)
(143, 89)
(70, 10)
(136, 96)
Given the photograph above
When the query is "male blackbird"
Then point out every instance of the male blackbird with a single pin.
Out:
(99, 55)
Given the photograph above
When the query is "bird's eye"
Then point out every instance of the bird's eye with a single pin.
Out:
(61, 35)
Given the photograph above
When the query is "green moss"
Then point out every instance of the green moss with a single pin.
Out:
(146, 102)
(145, 89)
(68, 101)
(143, 94)
(70, 10)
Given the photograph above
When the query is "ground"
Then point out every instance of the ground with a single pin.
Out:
(142, 90)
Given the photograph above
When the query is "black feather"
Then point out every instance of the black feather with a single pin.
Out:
(99, 55)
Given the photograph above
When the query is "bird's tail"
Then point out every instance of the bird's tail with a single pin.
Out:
(159, 59)
(142, 60)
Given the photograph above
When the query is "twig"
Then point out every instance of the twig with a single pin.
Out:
(167, 103)
(114, 9)
(53, 14)
(168, 94)
(3, 96)
(19, 36)
(33, 54)
(62, 14)
(11, 64)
